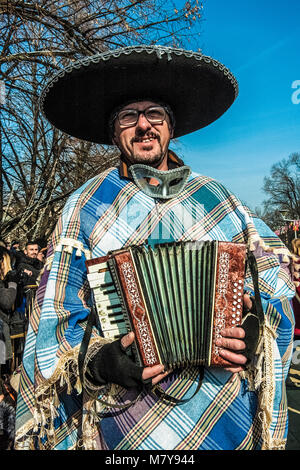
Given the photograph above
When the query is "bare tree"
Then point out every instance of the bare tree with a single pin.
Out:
(40, 165)
(282, 207)
(283, 187)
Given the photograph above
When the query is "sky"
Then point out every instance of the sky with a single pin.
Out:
(259, 41)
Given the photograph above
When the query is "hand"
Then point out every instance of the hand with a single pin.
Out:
(156, 373)
(232, 343)
(26, 271)
(112, 365)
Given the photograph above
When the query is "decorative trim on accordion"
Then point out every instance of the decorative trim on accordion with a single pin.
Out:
(221, 300)
(141, 325)
(229, 294)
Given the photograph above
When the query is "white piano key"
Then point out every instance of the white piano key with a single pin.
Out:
(114, 334)
(98, 279)
(105, 294)
(108, 324)
(105, 302)
(95, 268)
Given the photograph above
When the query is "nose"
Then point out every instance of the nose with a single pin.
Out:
(143, 123)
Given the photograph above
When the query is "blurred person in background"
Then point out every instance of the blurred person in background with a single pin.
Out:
(15, 246)
(8, 293)
(28, 267)
(296, 299)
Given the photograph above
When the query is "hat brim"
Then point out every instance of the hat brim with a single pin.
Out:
(79, 99)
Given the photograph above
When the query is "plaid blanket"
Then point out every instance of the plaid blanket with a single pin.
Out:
(240, 411)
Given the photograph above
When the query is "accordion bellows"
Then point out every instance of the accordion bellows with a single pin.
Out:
(176, 297)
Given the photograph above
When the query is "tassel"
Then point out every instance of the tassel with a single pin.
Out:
(68, 382)
(262, 244)
(251, 245)
(55, 399)
(62, 380)
(78, 252)
(68, 249)
(36, 419)
(59, 247)
(78, 385)
(53, 412)
(43, 418)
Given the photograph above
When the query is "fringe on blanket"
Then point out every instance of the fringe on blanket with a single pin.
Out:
(260, 376)
(41, 426)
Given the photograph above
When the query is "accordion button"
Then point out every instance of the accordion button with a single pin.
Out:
(233, 322)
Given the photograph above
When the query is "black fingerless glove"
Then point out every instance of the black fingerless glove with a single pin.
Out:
(112, 365)
(250, 325)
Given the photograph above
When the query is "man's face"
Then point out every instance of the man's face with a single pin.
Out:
(144, 142)
(31, 251)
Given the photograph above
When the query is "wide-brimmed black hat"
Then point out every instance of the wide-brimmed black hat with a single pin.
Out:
(80, 99)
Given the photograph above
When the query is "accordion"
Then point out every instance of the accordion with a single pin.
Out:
(176, 297)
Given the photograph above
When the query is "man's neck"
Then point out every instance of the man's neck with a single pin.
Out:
(162, 166)
(173, 161)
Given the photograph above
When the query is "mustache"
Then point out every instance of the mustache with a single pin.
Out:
(139, 138)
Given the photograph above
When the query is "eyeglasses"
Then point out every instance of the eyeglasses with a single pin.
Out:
(153, 114)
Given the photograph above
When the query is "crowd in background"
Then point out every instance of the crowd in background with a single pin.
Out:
(20, 272)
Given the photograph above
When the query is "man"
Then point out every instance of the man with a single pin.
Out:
(139, 98)
(28, 268)
(27, 263)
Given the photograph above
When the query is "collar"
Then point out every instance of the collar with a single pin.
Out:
(173, 162)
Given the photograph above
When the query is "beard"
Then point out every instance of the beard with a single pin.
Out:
(152, 157)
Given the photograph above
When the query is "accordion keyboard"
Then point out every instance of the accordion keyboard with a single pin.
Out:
(107, 301)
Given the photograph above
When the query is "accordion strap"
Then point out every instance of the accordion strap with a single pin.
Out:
(254, 274)
(91, 321)
(160, 393)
